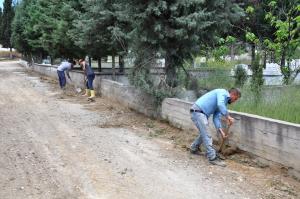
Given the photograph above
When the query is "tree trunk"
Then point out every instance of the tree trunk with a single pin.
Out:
(206, 57)
(40, 58)
(99, 64)
(121, 64)
(51, 61)
(231, 52)
(265, 59)
(10, 53)
(282, 61)
(285, 71)
(170, 71)
(113, 67)
(272, 57)
(90, 61)
(252, 54)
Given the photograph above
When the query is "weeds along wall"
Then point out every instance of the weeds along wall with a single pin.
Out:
(269, 139)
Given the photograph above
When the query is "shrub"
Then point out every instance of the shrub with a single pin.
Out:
(240, 75)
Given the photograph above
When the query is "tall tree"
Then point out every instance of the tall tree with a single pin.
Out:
(22, 30)
(1, 15)
(177, 29)
(253, 28)
(99, 28)
(26, 30)
(40, 28)
(284, 16)
(54, 20)
(8, 15)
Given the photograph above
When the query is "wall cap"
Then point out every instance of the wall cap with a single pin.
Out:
(245, 114)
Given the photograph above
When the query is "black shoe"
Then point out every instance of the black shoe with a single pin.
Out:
(217, 161)
(196, 152)
(221, 156)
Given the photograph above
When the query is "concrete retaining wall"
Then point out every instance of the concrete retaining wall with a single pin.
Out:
(270, 139)
(131, 97)
(103, 85)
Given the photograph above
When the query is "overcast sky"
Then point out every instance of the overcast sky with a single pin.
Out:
(1, 3)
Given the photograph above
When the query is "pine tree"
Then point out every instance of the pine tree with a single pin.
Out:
(99, 28)
(41, 27)
(178, 29)
(7, 17)
(20, 26)
(1, 15)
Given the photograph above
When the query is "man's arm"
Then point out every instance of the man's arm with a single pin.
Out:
(221, 97)
(222, 107)
(217, 122)
(68, 74)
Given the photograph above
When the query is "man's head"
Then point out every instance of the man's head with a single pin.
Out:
(72, 62)
(235, 94)
(81, 62)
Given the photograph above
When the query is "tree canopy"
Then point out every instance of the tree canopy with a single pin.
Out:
(6, 20)
(175, 30)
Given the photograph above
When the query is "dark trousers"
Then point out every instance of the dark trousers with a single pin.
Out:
(62, 78)
(89, 82)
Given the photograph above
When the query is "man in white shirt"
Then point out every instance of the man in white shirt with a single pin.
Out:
(64, 66)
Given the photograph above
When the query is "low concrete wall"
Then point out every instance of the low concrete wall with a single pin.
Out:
(270, 139)
(123, 93)
(131, 97)
(76, 75)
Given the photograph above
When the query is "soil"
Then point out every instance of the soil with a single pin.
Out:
(57, 144)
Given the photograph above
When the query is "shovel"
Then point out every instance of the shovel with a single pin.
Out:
(77, 89)
(223, 139)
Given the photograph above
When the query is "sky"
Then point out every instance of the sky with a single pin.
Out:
(1, 3)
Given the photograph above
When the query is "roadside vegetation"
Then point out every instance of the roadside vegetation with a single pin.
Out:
(277, 103)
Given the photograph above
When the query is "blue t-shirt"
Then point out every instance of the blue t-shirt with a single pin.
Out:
(88, 69)
(214, 103)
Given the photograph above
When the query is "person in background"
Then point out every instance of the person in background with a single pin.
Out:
(212, 103)
(65, 66)
(89, 78)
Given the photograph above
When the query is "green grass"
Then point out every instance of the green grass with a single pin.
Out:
(217, 79)
(282, 103)
(277, 103)
(222, 65)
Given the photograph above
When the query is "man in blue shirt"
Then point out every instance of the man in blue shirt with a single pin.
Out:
(212, 103)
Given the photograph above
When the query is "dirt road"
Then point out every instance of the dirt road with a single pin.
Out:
(61, 146)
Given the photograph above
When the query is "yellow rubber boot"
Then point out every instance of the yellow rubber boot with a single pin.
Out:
(92, 94)
(87, 92)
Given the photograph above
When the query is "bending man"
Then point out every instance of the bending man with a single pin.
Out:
(212, 103)
(65, 66)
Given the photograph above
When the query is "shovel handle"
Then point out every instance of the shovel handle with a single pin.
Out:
(224, 138)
